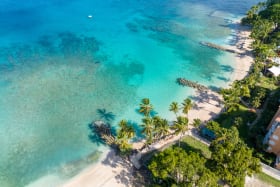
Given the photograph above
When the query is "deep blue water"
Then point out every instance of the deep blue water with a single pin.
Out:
(58, 67)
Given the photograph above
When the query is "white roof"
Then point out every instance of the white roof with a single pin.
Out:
(275, 70)
(276, 60)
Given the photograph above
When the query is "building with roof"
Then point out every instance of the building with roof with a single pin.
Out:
(274, 70)
(272, 138)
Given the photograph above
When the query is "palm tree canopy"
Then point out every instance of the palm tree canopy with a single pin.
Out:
(145, 107)
(123, 123)
(148, 126)
(130, 131)
(187, 105)
(146, 101)
(163, 128)
(180, 125)
(174, 107)
(126, 130)
(122, 142)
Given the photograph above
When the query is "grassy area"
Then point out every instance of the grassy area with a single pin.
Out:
(190, 144)
(267, 179)
(226, 120)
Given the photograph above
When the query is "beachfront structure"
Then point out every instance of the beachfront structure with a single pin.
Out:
(272, 138)
(275, 70)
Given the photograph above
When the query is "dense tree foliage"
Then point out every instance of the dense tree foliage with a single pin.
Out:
(264, 19)
(231, 159)
(174, 165)
(232, 96)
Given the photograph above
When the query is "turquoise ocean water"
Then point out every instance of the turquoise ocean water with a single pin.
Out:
(58, 67)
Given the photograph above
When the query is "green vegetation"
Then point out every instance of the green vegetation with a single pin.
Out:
(258, 91)
(191, 144)
(174, 166)
(174, 107)
(267, 179)
(258, 131)
(245, 117)
(180, 126)
(193, 164)
(268, 83)
(124, 134)
(231, 159)
(186, 106)
(146, 107)
(237, 147)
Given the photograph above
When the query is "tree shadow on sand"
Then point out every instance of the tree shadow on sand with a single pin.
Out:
(124, 171)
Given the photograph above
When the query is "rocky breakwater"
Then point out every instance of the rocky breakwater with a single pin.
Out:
(192, 84)
(221, 48)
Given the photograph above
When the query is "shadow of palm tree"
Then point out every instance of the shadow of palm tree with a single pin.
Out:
(93, 136)
(107, 116)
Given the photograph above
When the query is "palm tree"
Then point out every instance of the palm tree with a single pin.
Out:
(187, 105)
(148, 129)
(126, 130)
(174, 107)
(196, 122)
(261, 29)
(130, 132)
(146, 107)
(125, 133)
(163, 128)
(123, 144)
(231, 99)
(180, 126)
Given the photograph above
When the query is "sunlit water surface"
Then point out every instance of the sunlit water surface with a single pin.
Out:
(58, 68)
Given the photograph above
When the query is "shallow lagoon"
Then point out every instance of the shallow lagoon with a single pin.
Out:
(58, 67)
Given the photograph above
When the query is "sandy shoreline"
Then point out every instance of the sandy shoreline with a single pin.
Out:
(243, 45)
(209, 104)
(110, 171)
(114, 171)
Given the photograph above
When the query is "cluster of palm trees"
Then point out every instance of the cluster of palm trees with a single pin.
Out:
(265, 22)
(154, 128)
(124, 134)
(233, 96)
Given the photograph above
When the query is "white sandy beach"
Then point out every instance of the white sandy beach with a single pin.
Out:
(114, 171)
(209, 104)
(111, 171)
